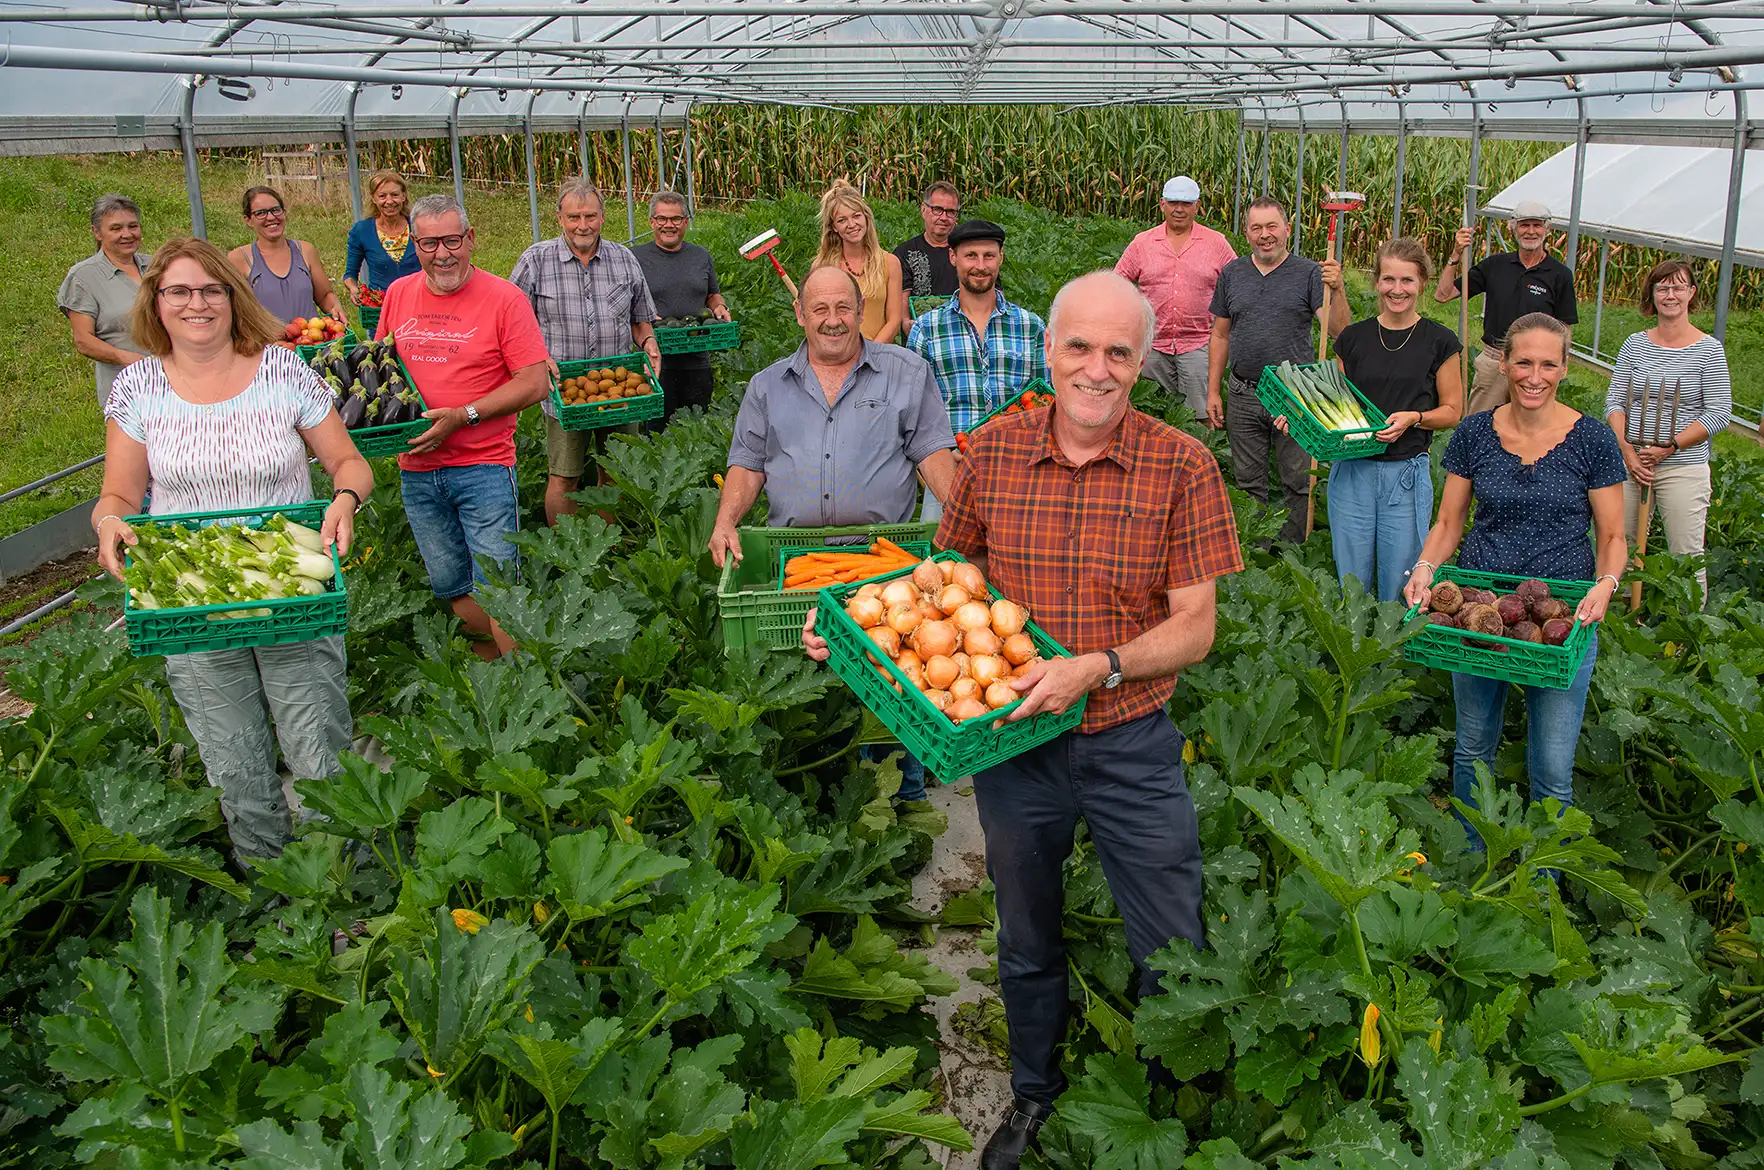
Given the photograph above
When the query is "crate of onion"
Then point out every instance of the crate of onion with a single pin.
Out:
(931, 651)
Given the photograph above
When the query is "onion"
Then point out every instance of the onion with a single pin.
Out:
(929, 612)
(982, 641)
(972, 616)
(1019, 649)
(927, 576)
(888, 678)
(865, 611)
(941, 671)
(908, 660)
(969, 577)
(952, 597)
(1023, 668)
(1008, 618)
(948, 568)
(939, 699)
(935, 639)
(886, 638)
(988, 669)
(899, 591)
(963, 662)
(964, 688)
(965, 709)
(1001, 694)
(915, 674)
(873, 589)
(904, 619)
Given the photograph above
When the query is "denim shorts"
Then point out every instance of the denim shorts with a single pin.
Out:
(458, 516)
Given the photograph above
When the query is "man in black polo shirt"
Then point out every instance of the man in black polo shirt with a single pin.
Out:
(1263, 305)
(925, 266)
(1512, 284)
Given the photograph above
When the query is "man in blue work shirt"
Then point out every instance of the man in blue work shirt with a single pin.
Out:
(982, 349)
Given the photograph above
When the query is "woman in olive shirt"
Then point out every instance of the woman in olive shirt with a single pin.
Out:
(98, 293)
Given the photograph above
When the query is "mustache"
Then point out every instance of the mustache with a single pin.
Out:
(832, 330)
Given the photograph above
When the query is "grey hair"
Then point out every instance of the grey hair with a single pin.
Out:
(1148, 315)
(661, 197)
(435, 206)
(855, 286)
(108, 204)
(580, 188)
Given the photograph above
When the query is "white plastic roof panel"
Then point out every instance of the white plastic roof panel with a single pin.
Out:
(1670, 197)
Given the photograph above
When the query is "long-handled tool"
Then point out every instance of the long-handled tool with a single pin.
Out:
(1335, 203)
(1646, 429)
(763, 245)
(1470, 190)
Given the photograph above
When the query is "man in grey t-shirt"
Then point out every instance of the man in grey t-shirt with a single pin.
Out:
(682, 279)
(1263, 305)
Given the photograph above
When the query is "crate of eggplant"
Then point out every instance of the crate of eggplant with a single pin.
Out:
(378, 401)
(702, 333)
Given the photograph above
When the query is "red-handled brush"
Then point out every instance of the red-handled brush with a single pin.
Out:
(763, 245)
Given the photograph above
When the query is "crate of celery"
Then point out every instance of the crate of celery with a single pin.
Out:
(226, 580)
(1325, 413)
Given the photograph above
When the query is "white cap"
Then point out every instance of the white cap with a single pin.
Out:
(1530, 209)
(1182, 189)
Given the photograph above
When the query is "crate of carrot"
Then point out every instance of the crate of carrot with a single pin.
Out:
(759, 608)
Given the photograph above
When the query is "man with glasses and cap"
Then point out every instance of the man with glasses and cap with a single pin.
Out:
(1511, 284)
(982, 349)
(1176, 265)
(924, 260)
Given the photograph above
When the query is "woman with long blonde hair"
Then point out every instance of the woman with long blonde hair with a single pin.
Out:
(849, 241)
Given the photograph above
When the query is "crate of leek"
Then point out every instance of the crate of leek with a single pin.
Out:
(1325, 413)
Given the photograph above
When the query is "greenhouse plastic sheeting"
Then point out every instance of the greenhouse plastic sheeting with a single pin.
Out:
(1672, 197)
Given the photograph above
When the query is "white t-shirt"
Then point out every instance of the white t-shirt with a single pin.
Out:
(246, 452)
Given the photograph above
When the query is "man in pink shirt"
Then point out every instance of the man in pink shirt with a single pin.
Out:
(473, 347)
(1176, 265)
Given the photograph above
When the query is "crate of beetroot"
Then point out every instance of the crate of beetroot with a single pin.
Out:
(932, 650)
(1497, 625)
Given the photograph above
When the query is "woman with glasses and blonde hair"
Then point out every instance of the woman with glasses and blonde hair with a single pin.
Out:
(849, 241)
(286, 275)
(217, 418)
(382, 240)
(1673, 367)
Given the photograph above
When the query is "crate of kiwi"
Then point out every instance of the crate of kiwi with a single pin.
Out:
(606, 392)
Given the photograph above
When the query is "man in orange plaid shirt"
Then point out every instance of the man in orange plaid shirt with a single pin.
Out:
(1113, 528)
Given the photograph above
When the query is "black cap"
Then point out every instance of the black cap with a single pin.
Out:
(976, 229)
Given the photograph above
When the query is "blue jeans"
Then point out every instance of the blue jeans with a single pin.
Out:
(912, 770)
(1379, 513)
(460, 514)
(1552, 732)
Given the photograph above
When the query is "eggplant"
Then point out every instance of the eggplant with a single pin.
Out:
(392, 410)
(396, 383)
(368, 376)
(341, 371)
(354, 410)
(361, 353)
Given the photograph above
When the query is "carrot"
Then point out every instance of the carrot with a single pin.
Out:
(889, 548)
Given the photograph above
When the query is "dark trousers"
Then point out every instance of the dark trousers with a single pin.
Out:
(1251, 430)
(682, 387)
(1126, 782)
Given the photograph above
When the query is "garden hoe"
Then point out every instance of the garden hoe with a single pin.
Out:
(1644, 427)
(763, 245)
(1334, 202)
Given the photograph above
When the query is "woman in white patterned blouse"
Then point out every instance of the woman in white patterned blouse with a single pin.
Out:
(218, 418)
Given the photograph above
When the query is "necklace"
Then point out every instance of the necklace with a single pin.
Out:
(1410, 332)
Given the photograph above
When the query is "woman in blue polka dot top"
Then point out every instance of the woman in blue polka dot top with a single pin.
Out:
(1542, 475)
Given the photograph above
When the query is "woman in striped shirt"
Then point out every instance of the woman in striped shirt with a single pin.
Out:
(1671, 374)
(219, 419)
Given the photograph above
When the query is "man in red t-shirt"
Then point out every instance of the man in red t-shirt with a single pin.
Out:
(474, 350)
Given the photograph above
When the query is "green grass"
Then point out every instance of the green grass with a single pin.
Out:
(49, 420)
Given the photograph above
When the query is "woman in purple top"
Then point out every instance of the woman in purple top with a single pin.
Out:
(287, 275)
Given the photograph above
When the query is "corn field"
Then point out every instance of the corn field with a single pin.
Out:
(1102, 162)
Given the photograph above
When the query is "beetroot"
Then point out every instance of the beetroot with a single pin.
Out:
(1512, 609)
(1549, 609)
(1481, 619)
(1525, 632)
(1446, 598)
(1478, 596)
(1532, 591)
(1556, 631)
(1442, 619)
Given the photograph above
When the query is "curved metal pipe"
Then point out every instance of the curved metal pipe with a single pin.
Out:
(453, 146)
(354, 162)
(532, 176)
(187, 140)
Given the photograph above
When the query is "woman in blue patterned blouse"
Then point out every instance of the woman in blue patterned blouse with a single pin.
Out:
(382, 240)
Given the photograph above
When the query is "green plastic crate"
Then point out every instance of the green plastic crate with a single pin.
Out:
(1319, 441)
(919, 306)
(714, 335)
(919, 548)
(193, 628)
(1038, 385)
(594, 416)
(755, 611)
(393, 438)
(349, 339)
(370, 318)
(1509, 659)
(948, 750)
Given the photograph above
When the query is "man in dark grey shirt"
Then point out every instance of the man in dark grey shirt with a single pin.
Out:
(1263, 305)
(682, 280)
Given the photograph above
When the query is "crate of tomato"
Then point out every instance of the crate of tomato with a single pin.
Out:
(368, 302)
(1495, 625)
(307, 335)
(605, 392)
(932, 650)
(1033, 396)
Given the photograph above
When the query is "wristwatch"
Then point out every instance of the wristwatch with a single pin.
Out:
(472, 418)
(1113, 678)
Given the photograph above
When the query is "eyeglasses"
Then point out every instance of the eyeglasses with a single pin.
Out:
(668, 220)
(277, 212)
(432, 243)
(946, 212)
(179, 295)
(1681, 289)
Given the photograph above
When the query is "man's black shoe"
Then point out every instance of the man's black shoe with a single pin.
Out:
(1015, 1134)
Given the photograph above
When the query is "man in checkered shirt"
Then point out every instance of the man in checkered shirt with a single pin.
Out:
(1113, 529)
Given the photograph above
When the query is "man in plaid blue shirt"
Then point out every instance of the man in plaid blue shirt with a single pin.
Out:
(982, 349)
(592, 301)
